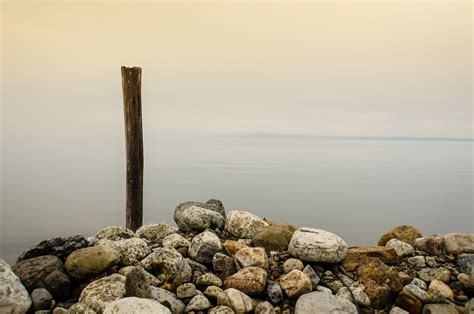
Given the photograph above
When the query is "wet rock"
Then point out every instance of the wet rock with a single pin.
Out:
(312, 275)
(274, 292)
(236, 300)
(457, 243)
(137, 284)
(250, 256)
(233, 247)
(387, 255)
(244, 225)
(114, 233)
(204, 246)
(14, 297)
(402, 248)
(166, 297)
(169, 262)
(176, 240)
(418, 292)
(208, 279)
(316, 245)
(221, 309)
(182, 211)
(186, 290)
(404, 233)
(81, 308)
(408, 302)
(133, 305)
(89, 261)
(198, 303)
(320, 302)
(292, 263)
(295, 283)
(44, 272)
(131, 251)
(99, 293)
(223, 265)
(433, 245)
(429, 274)
(264, 308)
(439, 309)
(153, 232)
(212, 292)
(60, 247)
(439, 291)
(41, 299)
(417, 261)
(465, 262)
(250, 280)
(152, 280)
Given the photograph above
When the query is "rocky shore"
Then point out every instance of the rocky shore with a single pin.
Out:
(236, 262)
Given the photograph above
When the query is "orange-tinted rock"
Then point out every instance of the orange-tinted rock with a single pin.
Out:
(250, 280)
(233, 246)
(385, 254)
(409, 302)
(404, 233)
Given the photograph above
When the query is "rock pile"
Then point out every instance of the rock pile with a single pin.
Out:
(238, 263)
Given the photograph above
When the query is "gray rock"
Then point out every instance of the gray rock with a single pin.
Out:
(198, 303)
(292, 263)
(41, 299)
(439, 309)
(186, 290)
(213, 205)
(44, 272)
(312, 275)
(420, 283)
(114, 233)
(360, 296)
(320, 302)
(154, 232)
(60, 247)
(92, 260)
(199, 219)
(429, 274)
(418, 292)
(14, 297)
(169, 262)
(323, 289)
(131, 251)
(221, 309)
(402, 248)
(238, 301)
(176, 241)
(208, 279)
(252, 256)
(316, 245)
(204, 246)
(137, 284)
(166, 297)
(457, 243)
(244, 225)
(264, 308)
(274, 292)
(81, 308)
(103, 291)
(417, 261)
(223, 265)
(133, 305)
(465, 262)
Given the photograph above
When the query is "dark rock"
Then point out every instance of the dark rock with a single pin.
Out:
(136, 283)
(409, 302)
(465, 262)
(274, 292)
(41, 299)
(223, 265)
(60, 247)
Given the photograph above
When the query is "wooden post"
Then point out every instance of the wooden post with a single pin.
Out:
(132, 104)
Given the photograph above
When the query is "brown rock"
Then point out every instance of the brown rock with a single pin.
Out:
(295, 283)
(250, 280)
(439, 291)
(252, 256)
(404, 233)
(385, 254)
(433, 245)
(409, 302)
(233, 246)
(271, 239)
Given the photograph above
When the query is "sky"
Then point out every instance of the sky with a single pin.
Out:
(320, 68)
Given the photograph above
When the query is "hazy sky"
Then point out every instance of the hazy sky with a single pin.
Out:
(363, 68)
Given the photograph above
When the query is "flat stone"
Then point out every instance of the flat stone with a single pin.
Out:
(457, 243)
(41, 299)
(360, 296)
(405, 233)
(131, 251)
(114, 233)
(99, 293)
(204, 246)
(440, 309)
(89, 261)
(167, 297)
(316, 245)
(244, 225)
(198, 303)
(387, 255)
(137, 284)
(154, 232)
(238, 301)
(14, 297)
(60, 247)
(250, 280)
(295, 283)
(252, 256)
(176, 241)
(169, 262)
(133, 305)
(320, 302)
(433, 245)
(402, 248)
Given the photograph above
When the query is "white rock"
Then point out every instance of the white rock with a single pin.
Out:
(457, 243)
(402, 248)
(14, 297)
(316, 245)
(204, 246)
(133, 305)
(243, 224)
(320, 302)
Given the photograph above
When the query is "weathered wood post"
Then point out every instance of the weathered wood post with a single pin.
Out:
(132, 104)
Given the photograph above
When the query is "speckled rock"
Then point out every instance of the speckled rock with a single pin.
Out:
(81, 308)
(60, 247)
(433, 245)
(186, 290)
(264, 308)
(238, 301)
(152, 280)
(208, 279)
(103, 291)
(457, 243)
(244, 225)
(204, 246)
(465, 262)
(404, 233)
(439, 292)
(252, 256)
(419, 283)
(402, 248)
(295, 283)
(165, 296)
(41, 299)
(417, 261)
(312, 275)
(212, 292)
(316, 245)
(155, 231)
(429, 274)
(360, 296)
(198, 303)
(170, 262)
(89, 261)
(274, 292)
(133, 305)
(223, 265)
(136, 283)
(320, 302)
(292, 263)
(176, 240)
(221, 309)
(14, 297)
(131, 251)
(199, 219)
(250, 280)
(114, 233)
(385, 254)
(212, 205)
(44, 272)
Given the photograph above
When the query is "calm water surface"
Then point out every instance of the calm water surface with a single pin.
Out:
(356, 188)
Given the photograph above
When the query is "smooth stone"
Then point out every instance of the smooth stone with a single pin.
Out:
(320, 302)
(417, 292)
(439, 291)
(114, 233)
(312, 275)
(360, 296)
(274, 237)
(252, 256)
(204, 246)
(429, 274)
(213, 205)
(236, 300)
(439, 309)
(176, 240)
(81, 308)
(152, 280)
(250, 280)
(14, 297)
(154, 232)
(221, 309)
(89, 261)
(169, 262)
(292, 263)
(274, 292)
(131, 251)
(264, 308)
(212, 292)
(60, 310)
(420, 283)
(198, 303)
(244, 225)
(405, 233)
(186, 290)
(223, 265)
(103, 291)
(316, 245)
(44, 272)
(323, 289)
(199, 219)
(457, 243)
(233, 247)
(208, 279)
(295, 283)
(408, 302)
(41, 299)
(433, 245)
(134, 305)
(60, 247)
(417, 261)
(137, 284)
(168, 297)
(402, 248)
(387, 255)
